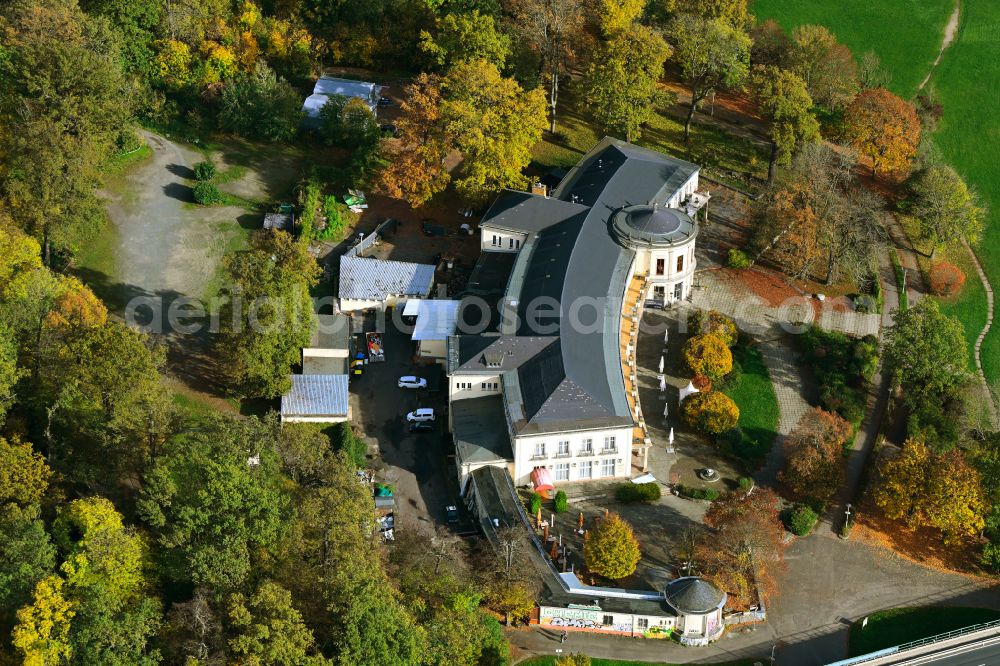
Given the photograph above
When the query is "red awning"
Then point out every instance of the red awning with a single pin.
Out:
(541, 479)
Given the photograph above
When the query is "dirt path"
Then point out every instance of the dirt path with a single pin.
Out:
(950, 30)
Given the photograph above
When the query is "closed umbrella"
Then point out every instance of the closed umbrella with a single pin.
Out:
(666, 336)
(661, 365)
(670, 437)
(663, 384)
(666, 410)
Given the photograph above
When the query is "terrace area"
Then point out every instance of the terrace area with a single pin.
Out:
(628, 342)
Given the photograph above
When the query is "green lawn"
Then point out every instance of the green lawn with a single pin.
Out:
(722, 156)
(906, 34)
(967, 81)
(754, 394)
(896, 626)
(550, 661)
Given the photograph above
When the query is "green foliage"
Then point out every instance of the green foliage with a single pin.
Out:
(24, 474)
(925, 352)
(710, 494)
(534, 504)
(267, 629)
(204, 171)
(842, 366)
(207, 194)
(801, 520)
(26, 555)
(628, 493)
(262, 337)
(336, 219)
(215, 515)
(465, 36)
(347, 122)
(344, 439)
(749, 385)
(261, 105)
(738, 259)
(896, 626)
(746, 483)
(621, 82)
(948, 210)
(560, 503)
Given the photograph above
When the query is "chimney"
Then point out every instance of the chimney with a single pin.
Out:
(539, 189)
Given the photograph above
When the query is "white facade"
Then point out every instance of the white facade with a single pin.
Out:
(461, 387)
(686, 190)
(583, 455)
(670, 271)
(500, 240)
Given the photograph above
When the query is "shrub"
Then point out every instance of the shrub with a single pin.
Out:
(801, 520)
(560, 503)
(715, 322)
(738, 259)
(702, 383)
(708, 354)
(204, 171)
(711, 412)
(709, 494)
(535, 504)
(628, 493)
(946, 279)
(207, 194)
(746, 483)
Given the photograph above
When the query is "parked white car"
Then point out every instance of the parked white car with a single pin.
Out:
(422, 414)
(411, 382)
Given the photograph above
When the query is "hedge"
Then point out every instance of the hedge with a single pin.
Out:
(628, 493)
(709, 494)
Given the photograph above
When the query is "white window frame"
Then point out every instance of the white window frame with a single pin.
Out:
(562, 448)
(586, 469)
(610, 444)
(561, 472)
(587, 446)
(605, 464)
(539, 450)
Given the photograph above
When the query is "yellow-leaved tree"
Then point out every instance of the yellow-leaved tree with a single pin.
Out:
(42, 631)
(712, 412)
(611, 549)
(708, 354)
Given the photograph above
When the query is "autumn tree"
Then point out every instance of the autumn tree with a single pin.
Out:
(267, 316)
(42, 631)
(827, 67)
(611, 549)
(714, 322)
(415, 169)
(734, 12)
(24, 474)
(465, 36)
(26, 556)
(713, 412)
(505, 574)
(617, 16)
(712, 54)
(745, 552)
(622, 80)
(814, 454)
(871, 73)
(785, 103)
(927, 489)
(708, 354)
(949, 211)
(883, 128)
(494, 124)
(771, 45)
(553, 29)
(267, 629)
(925, 352)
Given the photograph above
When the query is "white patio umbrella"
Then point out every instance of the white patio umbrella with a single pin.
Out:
(670, 437)
(666, 410)
(661, 365)
(686, 391)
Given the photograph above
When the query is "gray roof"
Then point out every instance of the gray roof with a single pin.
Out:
(480, 354)
(363, 278)
(694, 595)
(328, 85)
(277, 221)
(480, 430)
(653, 226)
(576, 259)
(316, 395)
(330, 331)
(521, 211)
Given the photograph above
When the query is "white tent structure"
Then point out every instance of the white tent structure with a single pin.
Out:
(687, 390)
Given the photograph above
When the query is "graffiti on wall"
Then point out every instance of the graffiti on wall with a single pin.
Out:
(579, 618)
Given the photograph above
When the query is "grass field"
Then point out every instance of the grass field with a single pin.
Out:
(722, 156)
(754, 394)
(906, 34)
(896, 626)
(550, 661)
(967, 81)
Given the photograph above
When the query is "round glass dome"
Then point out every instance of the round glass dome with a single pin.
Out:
(653, 226)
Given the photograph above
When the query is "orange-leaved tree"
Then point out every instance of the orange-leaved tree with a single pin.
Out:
(814, 451)
(713, 412)
(884, 128)
(744, 554)
(708, 354)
